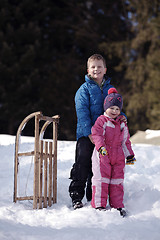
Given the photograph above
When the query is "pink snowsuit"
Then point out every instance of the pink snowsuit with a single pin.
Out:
(108, 170)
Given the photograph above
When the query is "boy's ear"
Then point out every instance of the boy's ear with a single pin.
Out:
(105, 70)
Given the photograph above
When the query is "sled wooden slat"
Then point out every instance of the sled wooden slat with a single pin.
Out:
(55, 163)
(25, 198)
(36, 160)
(45, 175)
(40, 174)
(50, 119)
(30, 198)
(26, 154)
(32, 154)
(50, 176)
(45, 162)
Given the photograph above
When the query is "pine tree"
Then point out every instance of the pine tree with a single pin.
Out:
(143, 66)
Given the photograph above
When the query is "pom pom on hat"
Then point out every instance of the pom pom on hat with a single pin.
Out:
(112, 90)
(113, 99)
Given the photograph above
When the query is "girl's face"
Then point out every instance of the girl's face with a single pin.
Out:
(113, 111)
(96, 70)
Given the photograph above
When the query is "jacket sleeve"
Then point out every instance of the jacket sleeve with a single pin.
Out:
(82, 104)
(126, 144)
(97, 133)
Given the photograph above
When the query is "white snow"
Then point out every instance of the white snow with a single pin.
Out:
(18, 221)
(152, 133)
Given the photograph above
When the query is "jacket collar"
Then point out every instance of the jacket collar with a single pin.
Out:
(106, 80)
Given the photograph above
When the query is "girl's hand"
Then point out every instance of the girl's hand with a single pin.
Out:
(103, 151)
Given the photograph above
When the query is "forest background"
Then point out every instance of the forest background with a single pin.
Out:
(44, 47)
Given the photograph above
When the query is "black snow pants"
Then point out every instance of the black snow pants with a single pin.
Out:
(81, 171)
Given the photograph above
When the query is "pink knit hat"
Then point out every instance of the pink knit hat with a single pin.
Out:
(113, 99)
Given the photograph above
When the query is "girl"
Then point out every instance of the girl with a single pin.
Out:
(111, 138)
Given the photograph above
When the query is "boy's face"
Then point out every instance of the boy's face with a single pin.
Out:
(96, 70)
(113, 111)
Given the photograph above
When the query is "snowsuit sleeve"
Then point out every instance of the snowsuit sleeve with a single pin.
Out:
(98, 133)
(126, 144)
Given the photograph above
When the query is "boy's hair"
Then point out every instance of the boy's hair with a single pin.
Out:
(96, 56)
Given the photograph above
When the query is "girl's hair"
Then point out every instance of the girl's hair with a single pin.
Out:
(96, 56)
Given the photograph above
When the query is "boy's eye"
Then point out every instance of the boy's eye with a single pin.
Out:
(95, 66)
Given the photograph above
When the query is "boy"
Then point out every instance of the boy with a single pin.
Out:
(89, 105)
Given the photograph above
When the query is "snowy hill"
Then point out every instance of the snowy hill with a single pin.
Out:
(142, 199)
(148, 137)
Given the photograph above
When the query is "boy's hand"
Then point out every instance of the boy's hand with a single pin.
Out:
(103, 151)
(124, 119)
(130, 160)
(90, 137)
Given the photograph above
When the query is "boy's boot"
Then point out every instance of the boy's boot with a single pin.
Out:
(76, 200)
(77, 204)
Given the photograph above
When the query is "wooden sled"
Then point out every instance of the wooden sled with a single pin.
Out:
(45, 162)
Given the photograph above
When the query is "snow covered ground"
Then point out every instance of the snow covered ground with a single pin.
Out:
(18, 221)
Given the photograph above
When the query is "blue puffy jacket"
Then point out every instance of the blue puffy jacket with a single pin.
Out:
(89, 100)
